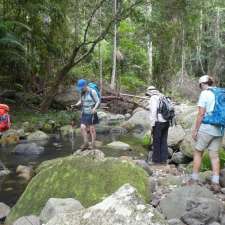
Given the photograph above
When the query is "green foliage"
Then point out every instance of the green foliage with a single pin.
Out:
(42, 121)
(206, 164)
(131, 82)
(84, 179)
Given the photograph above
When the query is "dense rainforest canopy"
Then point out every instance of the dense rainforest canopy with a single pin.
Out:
(126, 43)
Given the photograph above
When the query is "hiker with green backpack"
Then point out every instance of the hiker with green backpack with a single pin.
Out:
(90, 100)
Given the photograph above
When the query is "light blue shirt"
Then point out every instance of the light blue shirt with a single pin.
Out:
(89, 100)
(207, 101)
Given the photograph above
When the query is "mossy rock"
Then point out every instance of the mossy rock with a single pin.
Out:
(82, 178)
(206, 163)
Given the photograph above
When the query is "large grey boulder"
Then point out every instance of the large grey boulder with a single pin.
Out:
(139, 118)
(37, 136)
(4, 210)
(118, 145)
(175, 204)
(55, 206)
(187, 146)
(28, 220)
(28, 149)
(202, 211)
(176, 135)
(124, 207)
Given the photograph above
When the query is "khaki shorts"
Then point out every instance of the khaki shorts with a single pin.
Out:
(207, 141)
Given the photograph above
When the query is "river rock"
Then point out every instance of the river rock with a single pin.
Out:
(222, 178)
(179, 158)
(176, 135)
(143, 164)
(187, 146)
(25, 172)
(67, 130)
(118, 145)
(117, 131)
(103, 129)
(114, 119)
(4, 210)
(94, 154)
(10, 137)
(202, 211)
(139, 118)
(28, 149)
(28, 220)
(55, 206)
(82, 177)
(175, 222)
(124, 207)
(37, 136)
(175, 204)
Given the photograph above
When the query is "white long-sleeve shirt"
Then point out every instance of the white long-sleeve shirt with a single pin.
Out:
(153, 107)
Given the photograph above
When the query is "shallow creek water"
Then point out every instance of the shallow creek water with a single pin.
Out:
(12, 186)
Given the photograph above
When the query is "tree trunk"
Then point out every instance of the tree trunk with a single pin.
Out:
(113, 78)
(100, 56)
(53, 89)
(150, 57)
(150, 49)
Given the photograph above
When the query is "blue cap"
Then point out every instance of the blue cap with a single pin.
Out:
(81, 84)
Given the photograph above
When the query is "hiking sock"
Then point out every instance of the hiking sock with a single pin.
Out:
(195, 176)
(215, 179)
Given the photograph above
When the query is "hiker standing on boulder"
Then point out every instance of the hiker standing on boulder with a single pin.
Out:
(89, 103)
(159, 125)
(209, 129)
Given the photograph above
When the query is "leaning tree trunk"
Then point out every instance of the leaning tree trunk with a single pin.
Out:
(60, 76)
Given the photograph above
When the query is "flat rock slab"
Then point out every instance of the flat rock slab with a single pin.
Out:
(174, 205)
(118, 145)
(54, 206)
(28, 220)
(124, 207)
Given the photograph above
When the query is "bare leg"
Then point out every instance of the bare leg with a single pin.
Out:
(84, 134)
(93, 135)
(197, 163)
(215, 163)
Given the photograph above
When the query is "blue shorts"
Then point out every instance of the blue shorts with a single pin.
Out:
(89, 119)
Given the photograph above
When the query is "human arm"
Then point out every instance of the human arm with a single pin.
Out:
(202, 103)
(153, 106)
(200, 116)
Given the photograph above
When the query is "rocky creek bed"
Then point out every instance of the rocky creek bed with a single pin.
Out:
(114, 175)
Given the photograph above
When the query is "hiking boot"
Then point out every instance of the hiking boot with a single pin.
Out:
(215, 188)
(84, 146)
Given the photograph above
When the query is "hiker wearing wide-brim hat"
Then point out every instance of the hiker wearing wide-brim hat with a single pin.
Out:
(159, 125)
(207, 132)
(89, 102)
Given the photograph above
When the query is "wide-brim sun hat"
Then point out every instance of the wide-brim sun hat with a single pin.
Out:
(81, 84)
(151, 90)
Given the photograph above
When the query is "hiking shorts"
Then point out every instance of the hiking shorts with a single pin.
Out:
(89, 119)
(207, 141)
